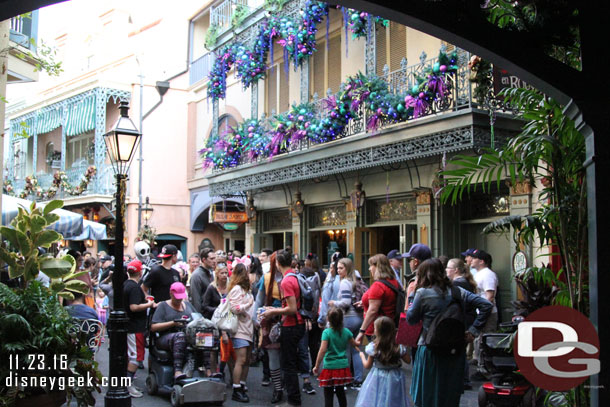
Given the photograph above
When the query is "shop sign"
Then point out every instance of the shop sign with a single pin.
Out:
(230, 217)
(503, 79)
(230, 226)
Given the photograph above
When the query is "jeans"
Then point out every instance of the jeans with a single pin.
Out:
(291, 362)
(353, 324)
(303, 351)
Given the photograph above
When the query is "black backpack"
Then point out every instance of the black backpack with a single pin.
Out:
(400, 299)
(446, 332)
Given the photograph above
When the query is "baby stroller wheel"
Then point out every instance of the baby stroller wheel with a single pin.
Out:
(482, 397)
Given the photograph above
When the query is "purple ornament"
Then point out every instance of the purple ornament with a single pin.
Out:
(443, 68)
(421, 95)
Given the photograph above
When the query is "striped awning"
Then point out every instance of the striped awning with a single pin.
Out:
(48, 119)
(70, 224)
(81, 116)
(92, 230)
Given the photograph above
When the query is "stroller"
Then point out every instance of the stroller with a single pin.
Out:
(507, 387)
(202, 337)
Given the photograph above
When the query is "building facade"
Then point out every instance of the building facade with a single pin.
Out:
(368, 190)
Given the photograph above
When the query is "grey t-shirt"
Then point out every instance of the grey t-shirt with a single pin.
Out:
(165, 313)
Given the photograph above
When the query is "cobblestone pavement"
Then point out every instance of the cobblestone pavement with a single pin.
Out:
(259, 395)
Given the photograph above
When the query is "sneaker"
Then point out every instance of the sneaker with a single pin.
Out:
(133, 392)
(277, 396)
(244, 387)
(308, 388)
(240, 395)
(356, 386)
(140, 365)
(266, 381)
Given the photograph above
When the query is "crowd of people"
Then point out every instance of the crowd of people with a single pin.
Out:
(302, 320)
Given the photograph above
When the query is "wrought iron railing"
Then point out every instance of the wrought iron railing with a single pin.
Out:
(459, 96)
(201, 67)
(221, 15)
(24, 30)
(102, 184)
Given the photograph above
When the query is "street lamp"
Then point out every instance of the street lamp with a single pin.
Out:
(148, 210)
(121, 142)
(250, 208)
(299, 205)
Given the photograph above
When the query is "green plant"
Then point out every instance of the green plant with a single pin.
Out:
(274, 6)
(240, 14)
(148, 235)
(537, 292)
(211, 37)
(32, 320)
(27, 233)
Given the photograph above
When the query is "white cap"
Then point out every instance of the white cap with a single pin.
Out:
(357, 273)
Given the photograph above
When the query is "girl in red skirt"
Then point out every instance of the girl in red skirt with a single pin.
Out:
(336, 372)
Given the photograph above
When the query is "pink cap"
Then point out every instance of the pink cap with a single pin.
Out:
(178, 290)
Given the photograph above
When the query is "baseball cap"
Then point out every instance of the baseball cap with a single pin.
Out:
(134, 266)
(394, 254)
(419, 251)
(105, 258)
(178, 290)
(483, 255)
(469, 252)
(357, 273)
(168, 251)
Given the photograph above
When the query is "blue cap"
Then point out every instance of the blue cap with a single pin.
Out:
(394, 254)
(469, 252)
(419, 251)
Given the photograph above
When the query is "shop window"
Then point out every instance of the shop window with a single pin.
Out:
(80, 150)
(324, 216)
(396, 209)
(483, 205)
(277, 220)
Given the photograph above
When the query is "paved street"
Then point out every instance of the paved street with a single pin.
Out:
(259, 396)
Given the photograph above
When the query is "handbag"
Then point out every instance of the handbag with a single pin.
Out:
(408, 335)
(225, 319)
(275, 332)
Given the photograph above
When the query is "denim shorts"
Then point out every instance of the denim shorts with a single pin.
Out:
(240, 343)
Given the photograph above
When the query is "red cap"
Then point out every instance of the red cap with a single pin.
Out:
(134, 266)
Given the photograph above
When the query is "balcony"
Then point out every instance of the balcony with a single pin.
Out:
(222, 14)
(24, 30)
(101, 184)
(456, 123)
(200, 68)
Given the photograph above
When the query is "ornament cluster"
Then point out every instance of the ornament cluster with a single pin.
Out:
(360, 94)
(60, 182)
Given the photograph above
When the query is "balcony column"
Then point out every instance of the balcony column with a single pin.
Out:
(35, 146)
(305, 81)
(215, 115)
(100, 129)
(424, 218)
(298, 238)
(353, 218)
(253, 101)
(520, 204)
(250, 235)
(64, 118)
(370, 53)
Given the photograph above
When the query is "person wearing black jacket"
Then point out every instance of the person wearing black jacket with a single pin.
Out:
(202, 277)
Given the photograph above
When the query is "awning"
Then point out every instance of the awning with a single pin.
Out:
(92, 230)
(81, 116)
(200, 202)
(70, 224)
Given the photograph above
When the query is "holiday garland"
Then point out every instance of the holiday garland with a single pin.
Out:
(357, 22)
(60, 181)
(251, 139)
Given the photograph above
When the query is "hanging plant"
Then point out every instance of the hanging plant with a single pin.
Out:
(481, 76)
(147, 234)
(211, 37)
(240, 14)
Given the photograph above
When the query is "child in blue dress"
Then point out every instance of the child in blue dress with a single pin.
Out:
(335, 374)
(385, 384)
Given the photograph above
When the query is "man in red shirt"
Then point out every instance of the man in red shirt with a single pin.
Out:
(293, 328)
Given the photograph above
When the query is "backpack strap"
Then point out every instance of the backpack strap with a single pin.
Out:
(387, 284)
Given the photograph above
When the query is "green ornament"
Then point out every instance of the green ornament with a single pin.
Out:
(415, 89)
(400, 108)
(436, 68)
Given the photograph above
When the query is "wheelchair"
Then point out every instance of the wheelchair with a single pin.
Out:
(196, 387)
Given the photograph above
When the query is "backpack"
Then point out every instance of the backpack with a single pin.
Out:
(314, 283)
(400, 300)
(306, 296)
(446, 332)
(358, 291)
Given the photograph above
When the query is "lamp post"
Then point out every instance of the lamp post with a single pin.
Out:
(121, 142)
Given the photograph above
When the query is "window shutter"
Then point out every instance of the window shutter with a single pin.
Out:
(318, 83)
(284, 90)
(271, 83)
(380, 49)
(398, 45)
(334, 63)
